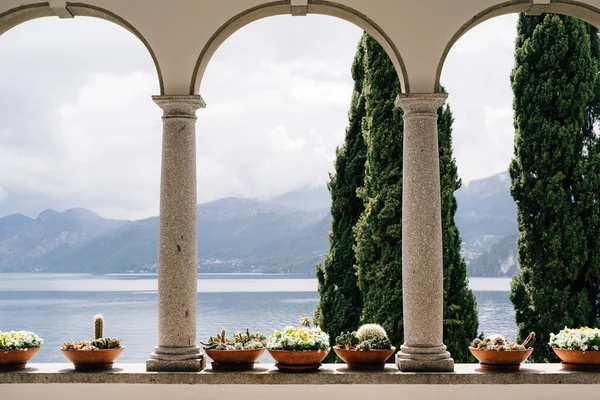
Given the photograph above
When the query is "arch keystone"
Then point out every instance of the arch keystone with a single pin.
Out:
(59, 7)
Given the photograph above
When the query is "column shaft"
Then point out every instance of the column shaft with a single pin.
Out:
(422, 261)
(177, 252)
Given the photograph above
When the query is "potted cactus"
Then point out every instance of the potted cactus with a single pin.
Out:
(94, 355)
(578, 349)
(17, 348)
(496, 353)
(300, 349)
(237, 353)
(365, 349)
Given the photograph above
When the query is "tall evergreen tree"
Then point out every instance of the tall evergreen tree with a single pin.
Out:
(340, 305)
(378, 232)
(379, 229)
(460, 307)
(555, 177)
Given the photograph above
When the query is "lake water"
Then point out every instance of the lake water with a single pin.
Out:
(61, 307)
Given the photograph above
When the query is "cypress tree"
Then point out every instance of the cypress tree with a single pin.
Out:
(341, 302)
(555, 177)
(460, 307)
(379, 229)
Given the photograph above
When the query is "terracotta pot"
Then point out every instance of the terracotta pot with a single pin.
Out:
(93, 360)
(364, 360)
(298, 361)
(13, 360)
(497, 360)
(234, 360)
(577, 360)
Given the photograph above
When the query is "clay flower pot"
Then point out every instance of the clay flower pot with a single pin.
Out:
(577, 360)
(13, 360)
(93, 360)
(234, 360)
(298, 361)
(500, 360)
(364, 360)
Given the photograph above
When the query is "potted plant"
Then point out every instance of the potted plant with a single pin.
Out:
(237, 353)
(17, 348)
(299, 349)
(495, 353)
(365, 349)
(578, 349)
(94, 355)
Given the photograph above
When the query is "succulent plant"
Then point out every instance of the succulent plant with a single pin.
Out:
(347, 340)
(98, 326)
(239, 341)
(368, 337)
(99, 343)
(370, 331)
(499, 343)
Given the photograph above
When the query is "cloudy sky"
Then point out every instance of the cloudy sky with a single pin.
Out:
(78, 127)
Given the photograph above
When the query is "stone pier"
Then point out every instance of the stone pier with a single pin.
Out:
(177, 260)
(422, 269)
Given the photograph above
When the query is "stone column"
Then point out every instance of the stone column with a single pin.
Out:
(422, 273)
(177, 261)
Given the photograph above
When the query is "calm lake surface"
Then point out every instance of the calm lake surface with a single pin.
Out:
(61, 307)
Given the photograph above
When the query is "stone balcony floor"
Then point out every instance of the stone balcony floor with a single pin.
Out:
(329, 374)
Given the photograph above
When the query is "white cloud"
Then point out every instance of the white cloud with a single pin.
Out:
(477, 77)
(83, 130)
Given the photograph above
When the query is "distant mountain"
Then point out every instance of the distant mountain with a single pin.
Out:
(307, 198)
(486, 214)
(498, 261)
(287, 233)
(28, 244)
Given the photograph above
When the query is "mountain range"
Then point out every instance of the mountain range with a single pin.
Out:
(284, 234)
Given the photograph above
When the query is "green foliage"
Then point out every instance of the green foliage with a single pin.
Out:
(556, 177)
(379, 229)
(347, 340)
(98, 326)
(340, 305)
(460, 307)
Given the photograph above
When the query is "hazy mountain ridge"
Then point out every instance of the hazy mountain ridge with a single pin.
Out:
(287, 233)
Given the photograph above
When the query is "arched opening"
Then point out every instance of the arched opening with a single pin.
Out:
(79, 158)
(266, 143)
(19, 15)
(282, 8)
(477, 67)
(476, 75)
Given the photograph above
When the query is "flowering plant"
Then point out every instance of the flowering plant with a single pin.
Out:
(500, 343)
(19, 340)
(306, 337)
(576, 339)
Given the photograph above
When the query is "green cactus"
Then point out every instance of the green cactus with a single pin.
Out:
(347, 340)
(239, 341)
(98, 326)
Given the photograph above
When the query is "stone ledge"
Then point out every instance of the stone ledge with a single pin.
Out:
(330, 374)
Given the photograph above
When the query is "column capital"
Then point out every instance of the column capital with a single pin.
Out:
(179, 105)
(420, 103)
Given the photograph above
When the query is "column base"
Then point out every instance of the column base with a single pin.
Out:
(424, 359)
(176, 360)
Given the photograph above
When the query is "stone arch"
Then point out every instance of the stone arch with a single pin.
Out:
(274, 8)
(583, 11)
(19, 15)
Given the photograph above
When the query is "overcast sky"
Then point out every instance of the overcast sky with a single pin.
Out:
(78, 127)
